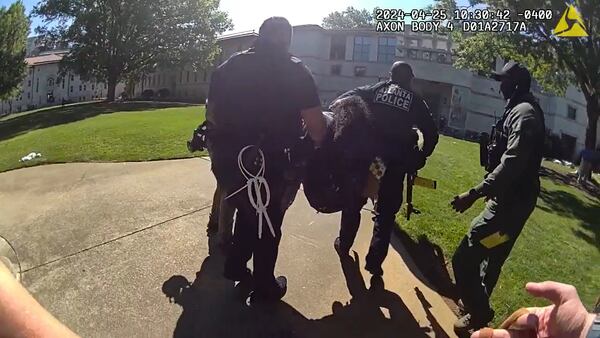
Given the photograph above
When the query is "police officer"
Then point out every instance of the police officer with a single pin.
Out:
(258, 101)
(394, 110)
(511, 189)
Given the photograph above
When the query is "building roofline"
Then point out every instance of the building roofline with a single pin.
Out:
(44, 59)
(237, 35)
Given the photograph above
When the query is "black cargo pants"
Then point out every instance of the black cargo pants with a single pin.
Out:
(478, 261)
(246, 243)
(388, 205)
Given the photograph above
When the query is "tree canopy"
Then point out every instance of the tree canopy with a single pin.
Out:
(117, 40)
(554, 61)
(348, 19)
(14, 28)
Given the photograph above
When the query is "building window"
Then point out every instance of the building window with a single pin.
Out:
(188, 77)
(63, 83)
(84, 88)
(181, 76)
(28, 95)
(72, 78)
(205, 76)
(362, 48)
(93, 86)
(441, 58)
(360, 71)
(71, 89)
(80, 87)
(29, 83)
(105, 86)
(196, 77)
(338, 47)
(336, 69)
(30, 71)
(387, 50)
(442, 44)
(412, 53)
(572, 113)
(37, 85)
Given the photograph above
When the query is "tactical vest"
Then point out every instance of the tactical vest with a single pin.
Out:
(497, 145)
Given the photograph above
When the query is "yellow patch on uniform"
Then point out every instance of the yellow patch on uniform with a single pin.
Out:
(494, 240)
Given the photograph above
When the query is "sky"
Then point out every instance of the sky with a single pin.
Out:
(248, 15)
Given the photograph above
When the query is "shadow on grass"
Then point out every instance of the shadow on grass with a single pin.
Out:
(212, 308)
(593, 188)
(568, 205)
(59, 115)
(430, 265)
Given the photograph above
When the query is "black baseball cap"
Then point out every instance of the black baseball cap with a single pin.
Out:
(514, 71)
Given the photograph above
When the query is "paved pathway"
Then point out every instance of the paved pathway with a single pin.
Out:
(98, 242)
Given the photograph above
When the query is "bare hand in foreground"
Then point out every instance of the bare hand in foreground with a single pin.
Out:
(567, 318)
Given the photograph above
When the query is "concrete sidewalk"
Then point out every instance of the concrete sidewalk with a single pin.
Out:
(101, 244)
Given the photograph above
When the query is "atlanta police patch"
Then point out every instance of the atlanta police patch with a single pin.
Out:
(394, 96)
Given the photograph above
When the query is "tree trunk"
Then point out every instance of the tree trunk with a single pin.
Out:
(593, 111)
(112, 88)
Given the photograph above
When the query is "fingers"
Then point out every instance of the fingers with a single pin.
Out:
(555, 292)
(528, 321)
(502, 334)
(520, 319)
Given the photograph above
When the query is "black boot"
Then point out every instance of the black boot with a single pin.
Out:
(272, 295)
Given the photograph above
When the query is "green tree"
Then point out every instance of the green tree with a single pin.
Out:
(14, 28)
(348, 19)
(555, 62)
(117, 40)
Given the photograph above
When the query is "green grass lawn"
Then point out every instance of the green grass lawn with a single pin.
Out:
(98, 132)
(560, 242)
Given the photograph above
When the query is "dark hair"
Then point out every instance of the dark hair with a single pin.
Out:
(275, 32)
(401, 73)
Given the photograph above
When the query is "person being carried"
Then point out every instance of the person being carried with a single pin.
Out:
(394, 110)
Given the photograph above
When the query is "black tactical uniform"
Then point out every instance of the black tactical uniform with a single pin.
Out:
(394, 110)
(511, 187)
(255, 99)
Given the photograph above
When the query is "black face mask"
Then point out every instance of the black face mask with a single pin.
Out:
(508, 89)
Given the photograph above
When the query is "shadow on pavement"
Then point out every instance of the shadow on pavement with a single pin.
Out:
(371, 312)
(59, 115)
(210, 309)
(429, 262)
(437, 329)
